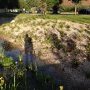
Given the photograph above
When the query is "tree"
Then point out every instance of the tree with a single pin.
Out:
(22, 4)
(56, 6)
(43, 6)
(50, 3)
(76, 3)
(8, 4)
(12, 4)
(32, 3)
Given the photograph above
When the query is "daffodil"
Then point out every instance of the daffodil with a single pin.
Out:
(61, 87)
(1, 81)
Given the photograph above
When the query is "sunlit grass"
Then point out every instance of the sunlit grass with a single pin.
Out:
(73, 18)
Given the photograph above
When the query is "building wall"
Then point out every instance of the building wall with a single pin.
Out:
(86, 2)
(69, 2)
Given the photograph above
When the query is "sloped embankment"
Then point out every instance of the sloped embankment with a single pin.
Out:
(62, 48)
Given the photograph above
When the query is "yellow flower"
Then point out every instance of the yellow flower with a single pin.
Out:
(1, 81)
(61, 87)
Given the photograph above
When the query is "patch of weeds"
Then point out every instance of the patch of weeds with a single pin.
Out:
(79, 36)
(7, 46)
(67, 26)
(43, 23)
(35, 37)
(80, 30)
(87, 31)
(87, 74)
(53, 39)
(88, 51)
(2, 33)
(5, 25)
(57, 42)
(62, 33)
(48, 39)
(7, 61)
(71, 45)
(88, 47)
(59, 45)
(75, 63)
(77, 51)
(39, 53)
(53, 25)
(88, 26)
(61, 25)
(54, 21)
(46, 82)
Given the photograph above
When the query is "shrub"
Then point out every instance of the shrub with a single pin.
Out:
(66, 8)
(88, 51)
(75, 63)
(33, 10)
(87, 74)
(56, 42)
(72, 8)
(7, 46)
(67, 26)
(62, 33)
(86, 69)
(7, 61)
(71, 45)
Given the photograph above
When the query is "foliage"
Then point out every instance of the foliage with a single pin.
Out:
(42, 6)
(75, 63)
(88, 51)
(56, 6)
(7, 46)
(76, 2)
(71, 45)
(23, 4)
(27, 4)
(87, 74)
(64, 8)
(16, 76)
(9, 4)
(50, 3)
(1, 82)
(32, 3)
(88, 47)
(56, 42)
(6, 61)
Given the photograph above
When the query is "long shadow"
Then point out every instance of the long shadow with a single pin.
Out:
(64, 79)
(53, 70)
(57, 71)
(64, 72)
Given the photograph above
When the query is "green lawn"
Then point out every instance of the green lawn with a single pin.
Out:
(73, 18)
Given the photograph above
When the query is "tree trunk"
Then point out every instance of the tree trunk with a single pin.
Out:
(14, 82)
(75, 9)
